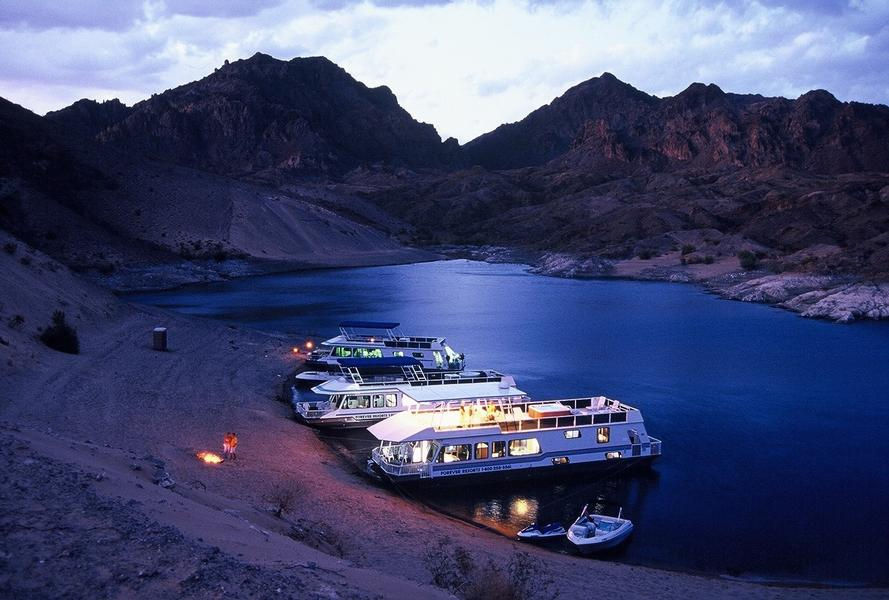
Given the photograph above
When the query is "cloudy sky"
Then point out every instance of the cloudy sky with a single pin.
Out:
(464, 66)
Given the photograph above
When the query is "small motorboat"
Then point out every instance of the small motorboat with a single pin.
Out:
(595, 533)
(533, 532)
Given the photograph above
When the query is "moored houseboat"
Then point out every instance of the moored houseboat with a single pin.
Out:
(450, 443)
(356, 399)
(372, 341)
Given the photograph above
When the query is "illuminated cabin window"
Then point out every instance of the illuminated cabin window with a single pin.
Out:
(614, 454)
(572, 434)
(341, 352)
(391, 400)
(498, 449)
(481, 451)
(378, 401)
(367, 353)
(455, 453)
(398, 353)
(561, 460)
(603, 435)
(524, 447)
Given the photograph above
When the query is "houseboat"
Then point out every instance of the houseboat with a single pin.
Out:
(370, 340)
(509, 438)
(358, 399)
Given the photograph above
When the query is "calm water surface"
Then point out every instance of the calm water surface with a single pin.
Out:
(774, 427)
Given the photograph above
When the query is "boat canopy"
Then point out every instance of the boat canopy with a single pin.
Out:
(369, 325)
(386, 361)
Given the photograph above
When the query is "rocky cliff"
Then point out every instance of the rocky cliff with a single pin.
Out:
(296, 161)
(269, 119)
(607, 126)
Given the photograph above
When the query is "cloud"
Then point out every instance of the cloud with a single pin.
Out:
(464, 66)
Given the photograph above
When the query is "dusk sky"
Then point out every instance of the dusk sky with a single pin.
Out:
(465, 67)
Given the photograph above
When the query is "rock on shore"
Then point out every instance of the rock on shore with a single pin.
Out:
(817, 296)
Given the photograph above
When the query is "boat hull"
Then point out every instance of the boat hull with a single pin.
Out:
(589, 548)
(556, 472)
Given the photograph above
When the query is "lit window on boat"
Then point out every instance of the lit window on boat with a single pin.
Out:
(614, 454)
(398, 353)
(391, 400)
(498, 449)
(524, 447)
(455, 453)
(603, 435)
(481, 451)
(378, 401)
(572, 434)
(561, 460)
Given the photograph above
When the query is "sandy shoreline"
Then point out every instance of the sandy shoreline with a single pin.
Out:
(98, 424)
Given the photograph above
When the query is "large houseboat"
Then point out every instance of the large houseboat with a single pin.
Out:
(509, 438)
(370, 341)
(358, 399)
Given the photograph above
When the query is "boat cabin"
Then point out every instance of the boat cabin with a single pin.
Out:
(368, 340)
(508, 437)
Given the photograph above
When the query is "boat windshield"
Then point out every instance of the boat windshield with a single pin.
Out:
(410, 452)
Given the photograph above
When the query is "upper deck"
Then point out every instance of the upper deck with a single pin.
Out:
(379, 334)
(450, 420)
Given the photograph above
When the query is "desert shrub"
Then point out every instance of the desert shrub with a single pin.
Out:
(16, 321)
(25, 260)
(645, 254)
(748, 260)
(10, 248)
(688, 249)
(708, 260)
(106, 268)
(456, 570)
(60, 335)
(283, 498)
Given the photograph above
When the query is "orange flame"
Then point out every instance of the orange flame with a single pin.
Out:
(209, 458)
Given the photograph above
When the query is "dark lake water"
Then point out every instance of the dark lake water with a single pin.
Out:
(775, 428)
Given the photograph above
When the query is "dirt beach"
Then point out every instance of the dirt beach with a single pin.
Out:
(102, 495)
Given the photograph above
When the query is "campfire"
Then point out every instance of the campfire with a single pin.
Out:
(210, 458)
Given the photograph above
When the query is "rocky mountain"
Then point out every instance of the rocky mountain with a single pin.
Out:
(269, 119)
(297, 162)
(86, 118)
(607, 126)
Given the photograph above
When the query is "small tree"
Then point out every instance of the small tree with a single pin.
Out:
(466, 576)
(688, 249)
(748, 260)
(283, 498)
(61, 336)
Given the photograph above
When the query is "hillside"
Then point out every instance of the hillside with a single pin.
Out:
(270, 164)
(606, 126)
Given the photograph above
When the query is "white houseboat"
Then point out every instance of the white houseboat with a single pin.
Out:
(514, 438)
(371, 340)
(355, 399)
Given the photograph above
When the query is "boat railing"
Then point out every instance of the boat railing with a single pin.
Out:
(312, 410)
(397, 468)
(513, 416)
(432, 378)
(655, 446)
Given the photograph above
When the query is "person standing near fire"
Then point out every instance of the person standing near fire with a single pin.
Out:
(233, 446)
(226, 445)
